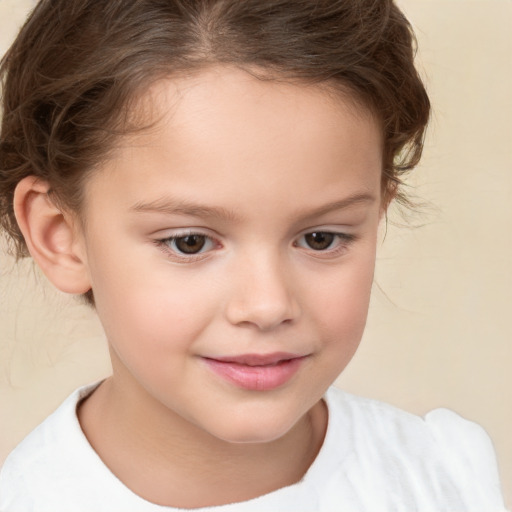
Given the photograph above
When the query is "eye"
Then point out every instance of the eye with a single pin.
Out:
(319, 241)
(189, 244)
(327, 241)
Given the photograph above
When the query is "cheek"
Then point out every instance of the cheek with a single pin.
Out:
(341, 305)
(151, 334)
(154, 313)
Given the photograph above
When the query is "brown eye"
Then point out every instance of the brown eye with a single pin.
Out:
(320, 240)
(190, 244)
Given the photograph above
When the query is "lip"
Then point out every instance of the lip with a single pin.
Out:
(256, 372)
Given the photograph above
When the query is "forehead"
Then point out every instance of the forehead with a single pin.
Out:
(223, 125)
(235, 93)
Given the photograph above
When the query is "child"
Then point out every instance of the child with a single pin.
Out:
(210, 175)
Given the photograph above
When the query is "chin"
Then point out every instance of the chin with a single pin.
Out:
(254, 436)
(253, 429)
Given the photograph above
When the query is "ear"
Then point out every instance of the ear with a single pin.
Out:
(51, 236)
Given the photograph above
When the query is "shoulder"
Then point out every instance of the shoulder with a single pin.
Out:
(46, 455)
(434, 460)
(52, 432)
(387, 420)
(443, 429)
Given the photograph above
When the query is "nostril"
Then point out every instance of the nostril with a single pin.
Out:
(262, 295)
(264, 314)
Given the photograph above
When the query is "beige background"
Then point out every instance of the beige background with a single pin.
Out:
(439, 332)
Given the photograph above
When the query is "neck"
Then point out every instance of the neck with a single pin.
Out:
(182, 465)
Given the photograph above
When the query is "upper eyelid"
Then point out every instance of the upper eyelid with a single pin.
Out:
(163, 234)
(342, 235)
(172, 233)
(341, 232)
(213, 239)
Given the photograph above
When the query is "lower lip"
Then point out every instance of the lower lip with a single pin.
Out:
(256, 378)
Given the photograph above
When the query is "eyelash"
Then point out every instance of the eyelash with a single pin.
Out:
(344, 240)
(166, 245)
(341, 240)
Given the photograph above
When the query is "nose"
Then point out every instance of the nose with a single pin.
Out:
(262, 295)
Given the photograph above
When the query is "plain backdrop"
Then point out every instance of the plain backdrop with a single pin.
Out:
(439, 331)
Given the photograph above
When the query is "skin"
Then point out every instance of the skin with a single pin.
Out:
(275, 161)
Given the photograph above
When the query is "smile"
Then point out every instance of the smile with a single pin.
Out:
(256, 372)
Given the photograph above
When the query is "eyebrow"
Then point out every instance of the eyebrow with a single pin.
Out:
(170, 206)
(354, 200)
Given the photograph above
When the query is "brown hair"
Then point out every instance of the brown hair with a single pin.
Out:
(71, 75)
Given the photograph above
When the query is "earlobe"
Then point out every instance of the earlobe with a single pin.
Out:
(51, 236)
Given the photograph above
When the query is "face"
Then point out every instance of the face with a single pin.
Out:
(231, 250)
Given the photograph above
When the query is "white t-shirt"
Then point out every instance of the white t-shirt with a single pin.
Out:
(375, 458)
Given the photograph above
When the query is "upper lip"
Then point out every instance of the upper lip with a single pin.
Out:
(256, 359)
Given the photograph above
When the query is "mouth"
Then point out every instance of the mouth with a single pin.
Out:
(256, 372)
